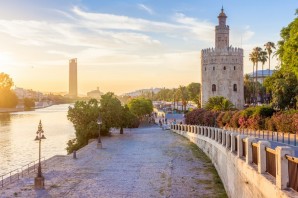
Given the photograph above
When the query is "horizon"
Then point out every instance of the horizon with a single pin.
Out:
(126, 46)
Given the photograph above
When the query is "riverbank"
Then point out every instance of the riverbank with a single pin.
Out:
(144, 162)
(12, 110)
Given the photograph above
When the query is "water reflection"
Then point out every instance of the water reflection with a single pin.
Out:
(18, 130)
(4, 119)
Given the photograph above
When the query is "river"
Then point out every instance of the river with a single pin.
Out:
(18, 130)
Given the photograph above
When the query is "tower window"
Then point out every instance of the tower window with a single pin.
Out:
(234, 67)
(235, 87)
(205, 68)
(225, 68)
(213, 68)
(213, 87)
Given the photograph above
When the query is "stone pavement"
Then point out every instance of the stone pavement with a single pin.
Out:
(144, 162)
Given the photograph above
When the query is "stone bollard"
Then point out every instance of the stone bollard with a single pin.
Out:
(262, 155)
(223, 137)
(282, 175)
(240, 144)
(74, 154)
(228, 139)
(249, 141)
(233, 141)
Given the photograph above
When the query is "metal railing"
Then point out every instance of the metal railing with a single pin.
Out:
(270, 161)
(18, 173)
(293, 172)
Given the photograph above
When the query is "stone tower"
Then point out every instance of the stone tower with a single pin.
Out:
(222, 67)
(73, 79)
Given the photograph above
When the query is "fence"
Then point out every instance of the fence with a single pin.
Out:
(254, 152)
(293, 172)
(286, 138)
(18, 173)
(270, 161)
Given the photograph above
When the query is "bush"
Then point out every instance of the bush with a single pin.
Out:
(234, 121)
(226, 118)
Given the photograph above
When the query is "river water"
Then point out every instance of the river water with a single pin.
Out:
(18, 130)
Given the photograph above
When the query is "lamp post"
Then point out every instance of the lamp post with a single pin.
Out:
(39, 179)
(99, 122)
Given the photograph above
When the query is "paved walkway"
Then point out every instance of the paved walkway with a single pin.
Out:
(145, 162)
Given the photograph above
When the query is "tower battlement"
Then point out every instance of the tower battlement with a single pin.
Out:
(210, 51)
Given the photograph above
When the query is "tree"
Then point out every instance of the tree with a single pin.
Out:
(218, 103)
(248, 89)
(263, 59)
(110, 111)
(140, 107)
(128, 119)
(194, 91)
(183, 93)
(5, 82)
(8, 98)
(287, 46)
(268, 47)
(253, 59)
(29, 103)
(84, 117)
(284, 87)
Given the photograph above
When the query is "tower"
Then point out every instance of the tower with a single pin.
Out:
(222, 67)
(73, 79)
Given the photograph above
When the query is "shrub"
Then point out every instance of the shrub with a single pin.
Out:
(226, 118)
(234, 121)
(219, 119)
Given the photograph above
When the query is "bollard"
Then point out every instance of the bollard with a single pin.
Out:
(295, 139)
(277, 136)
(74, 154)
(289, 135)
(272, 135)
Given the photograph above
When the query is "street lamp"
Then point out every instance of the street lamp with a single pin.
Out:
(99, 122)
(39, 179)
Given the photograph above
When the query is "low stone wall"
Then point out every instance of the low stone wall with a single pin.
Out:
(241, 161)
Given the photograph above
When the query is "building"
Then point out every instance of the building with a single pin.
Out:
(222, 67)
(73, 78)
(95, 93)
(262, 74)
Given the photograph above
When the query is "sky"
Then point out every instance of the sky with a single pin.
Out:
(122, 46)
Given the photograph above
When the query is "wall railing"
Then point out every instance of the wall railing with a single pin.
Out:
(18, 173)
(277, 163)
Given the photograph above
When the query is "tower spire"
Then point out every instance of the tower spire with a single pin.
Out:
(222, 10)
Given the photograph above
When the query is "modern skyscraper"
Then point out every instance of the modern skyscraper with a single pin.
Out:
(222, 67)
(73, 78)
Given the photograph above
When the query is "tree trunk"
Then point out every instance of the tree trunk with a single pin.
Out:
(269, 64)
(121, 130)
(257, 91)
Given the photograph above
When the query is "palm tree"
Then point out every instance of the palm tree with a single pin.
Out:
(263, 59)
(256, 52)
(184, 96)
(268, 47)
(253, 59)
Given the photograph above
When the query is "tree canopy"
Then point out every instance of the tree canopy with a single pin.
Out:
(140, 106)
(218, 103)
(287, 46)
(84, 117)
(8, 98)
(110, 111)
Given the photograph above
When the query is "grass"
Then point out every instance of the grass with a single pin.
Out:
(216, 182)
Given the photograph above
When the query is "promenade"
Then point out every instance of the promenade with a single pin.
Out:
(144, 162)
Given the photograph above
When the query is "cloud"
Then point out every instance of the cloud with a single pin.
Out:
(146, 8)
